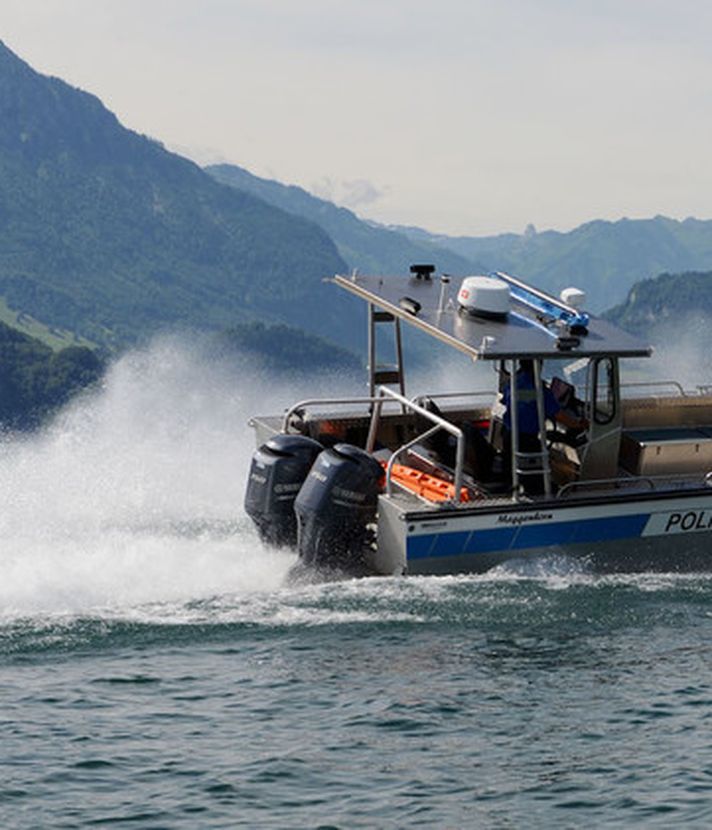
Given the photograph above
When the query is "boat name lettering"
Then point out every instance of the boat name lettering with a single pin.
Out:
(691, 520)
(317, 475)
(519, 519)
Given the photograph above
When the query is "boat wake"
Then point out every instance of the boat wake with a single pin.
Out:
(127, 509)
(134, 493)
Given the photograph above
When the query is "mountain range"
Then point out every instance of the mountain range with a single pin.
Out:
(106, 238)
(603, 258)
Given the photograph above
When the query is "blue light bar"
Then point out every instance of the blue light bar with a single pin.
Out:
(544, 303)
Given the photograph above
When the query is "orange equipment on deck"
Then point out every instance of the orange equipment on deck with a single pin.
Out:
(427, 486)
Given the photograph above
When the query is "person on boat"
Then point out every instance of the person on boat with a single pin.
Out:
(528, 418)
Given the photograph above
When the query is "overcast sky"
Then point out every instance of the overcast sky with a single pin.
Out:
(461, 116)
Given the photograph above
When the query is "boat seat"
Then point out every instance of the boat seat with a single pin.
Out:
(565, 464)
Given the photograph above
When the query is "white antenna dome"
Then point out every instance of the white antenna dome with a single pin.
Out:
(574, 297)
(484, 296)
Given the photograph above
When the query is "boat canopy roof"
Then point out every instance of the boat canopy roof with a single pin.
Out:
(537, 325)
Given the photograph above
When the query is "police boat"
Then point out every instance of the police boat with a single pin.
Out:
(557, 456)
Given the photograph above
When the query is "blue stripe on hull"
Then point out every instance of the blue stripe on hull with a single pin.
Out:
(605, 529)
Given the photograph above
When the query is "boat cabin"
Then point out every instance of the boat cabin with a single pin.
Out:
(554, 433)
(597, 437)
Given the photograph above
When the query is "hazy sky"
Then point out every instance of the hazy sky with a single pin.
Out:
(461, 116)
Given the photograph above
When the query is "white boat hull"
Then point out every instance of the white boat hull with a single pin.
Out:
(632, 533)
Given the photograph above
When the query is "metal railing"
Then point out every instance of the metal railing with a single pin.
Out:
(372, 399)
(597, 483)
(653, 383)
(297, 407)
(641, 384)
(438, 423)
(489, 393)
(386, 395)
(651, 482)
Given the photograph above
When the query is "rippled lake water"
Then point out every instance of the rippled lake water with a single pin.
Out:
(502, 700)
(159, 670)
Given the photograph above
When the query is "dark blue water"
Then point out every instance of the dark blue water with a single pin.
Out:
(157, 669)
(434, 702)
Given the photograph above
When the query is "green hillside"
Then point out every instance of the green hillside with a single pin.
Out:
(109, 237)
(369, 248)
(51, 336)
(35, 380)
(604, 258)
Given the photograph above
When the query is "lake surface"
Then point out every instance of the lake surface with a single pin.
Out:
(503, 700)
(159, 670)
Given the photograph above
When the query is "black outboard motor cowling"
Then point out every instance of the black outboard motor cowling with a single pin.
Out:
(335, 506)
(278, 470)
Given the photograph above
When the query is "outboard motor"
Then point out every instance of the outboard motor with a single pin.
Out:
(335, 506)
(278, 470)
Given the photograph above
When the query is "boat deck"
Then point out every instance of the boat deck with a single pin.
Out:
(653, 457)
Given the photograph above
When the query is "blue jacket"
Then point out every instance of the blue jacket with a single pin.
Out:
(527, 418)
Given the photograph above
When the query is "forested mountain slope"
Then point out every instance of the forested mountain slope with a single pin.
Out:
(35, 381)
(369, 248)
(106, 234)
(664, 301)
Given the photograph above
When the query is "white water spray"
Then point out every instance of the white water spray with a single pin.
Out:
(134, 493)
(130, 501)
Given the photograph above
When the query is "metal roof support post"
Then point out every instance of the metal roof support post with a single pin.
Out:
(541, 416)
(380, 374)
(399, 357)
(375, 420)
(371, 351)
(514, 425)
